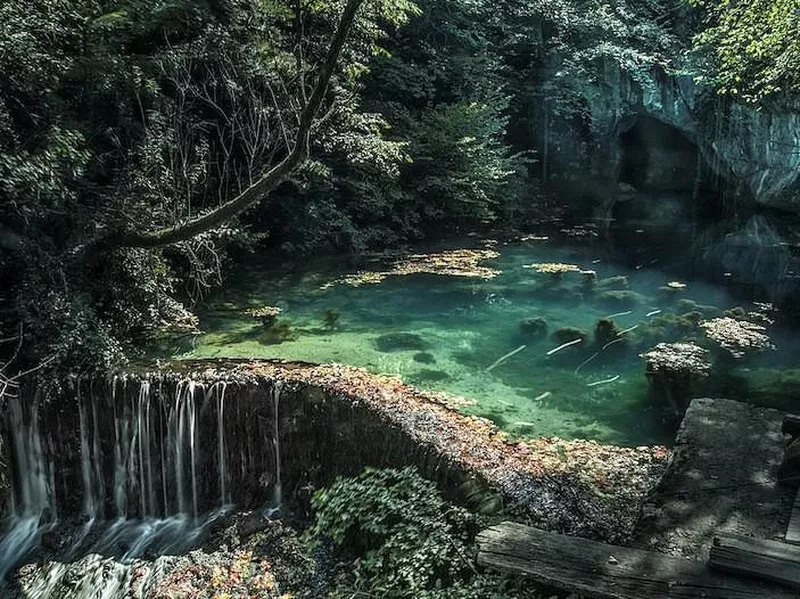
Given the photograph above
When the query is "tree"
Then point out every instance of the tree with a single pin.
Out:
(275, 175)
(754, 46)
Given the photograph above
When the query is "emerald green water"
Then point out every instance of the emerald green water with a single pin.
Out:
(454, 328)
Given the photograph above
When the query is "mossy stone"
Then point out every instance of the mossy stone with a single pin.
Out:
(395, 342)
(535, 327)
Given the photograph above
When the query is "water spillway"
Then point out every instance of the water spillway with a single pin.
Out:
(134, 465)
(113, 480)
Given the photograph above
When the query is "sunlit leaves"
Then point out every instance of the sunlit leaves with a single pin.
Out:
(756, 46)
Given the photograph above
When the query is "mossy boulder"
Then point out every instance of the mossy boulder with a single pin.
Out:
(686, 305)
(424, 357)
(605, 331)
(275, 334)
(429, 376)
(570, 334)
(618, 283)
(396, 342)
(738, 313)
(621, 300)
(534, 328)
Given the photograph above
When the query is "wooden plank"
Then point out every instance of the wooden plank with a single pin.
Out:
(791, 425)
(604, 571)
(768, 560)
(793, 530)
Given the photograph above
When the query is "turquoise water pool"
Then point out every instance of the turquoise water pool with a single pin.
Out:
(447, 333)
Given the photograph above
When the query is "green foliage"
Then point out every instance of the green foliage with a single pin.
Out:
(405, 540)
(755, 47)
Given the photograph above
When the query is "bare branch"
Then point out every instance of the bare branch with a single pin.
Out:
(272, 178)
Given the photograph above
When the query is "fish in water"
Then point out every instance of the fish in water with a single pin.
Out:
(543, 396)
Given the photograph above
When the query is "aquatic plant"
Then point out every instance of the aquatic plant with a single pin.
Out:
(266, 314)
(605, 331)
(424, 357)
(685, 305)
(620, 299)
(618, 283)
(589, 279)
(330, 318)
(394, 342)
(568, 334)
(737, 312)
(277, 333)
(738, 337)
(534, 327)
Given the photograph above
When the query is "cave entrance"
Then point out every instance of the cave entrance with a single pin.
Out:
(657, 157)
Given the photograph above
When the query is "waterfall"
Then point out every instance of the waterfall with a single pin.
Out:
(146, 466)
(33, 507)
(276, 440)
(224, 498)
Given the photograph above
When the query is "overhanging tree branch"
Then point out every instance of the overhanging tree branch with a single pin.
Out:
(272, 178)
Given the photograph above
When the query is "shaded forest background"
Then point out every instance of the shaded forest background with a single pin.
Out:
(120, 117)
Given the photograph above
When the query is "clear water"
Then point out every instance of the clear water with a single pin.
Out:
(462, 326)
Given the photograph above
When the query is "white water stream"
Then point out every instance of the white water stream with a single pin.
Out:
(141, 487)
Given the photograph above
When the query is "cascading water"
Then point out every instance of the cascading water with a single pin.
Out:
(136, 467)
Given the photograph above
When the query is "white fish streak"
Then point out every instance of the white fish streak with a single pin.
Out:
(544, 395)
(565, 346)
(506, 357)
(605, 382)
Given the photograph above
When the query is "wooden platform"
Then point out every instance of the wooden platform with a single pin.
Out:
(604, 571)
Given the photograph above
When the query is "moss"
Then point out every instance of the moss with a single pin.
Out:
(330, 318)
(424, 357)
(394, 342)
(277, 333)
(620, 299)
(535, 327)
(667, 328)
(605, 331)
(738, 312)
(429, 376)
(568, 334)
(619, 283)
(669, 294)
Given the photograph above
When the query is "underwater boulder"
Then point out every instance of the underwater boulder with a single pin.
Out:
(570, 334)
(395, 342)
(424, 357)
(535, 327)
(618, 283)
(620, 299)
(605, 331)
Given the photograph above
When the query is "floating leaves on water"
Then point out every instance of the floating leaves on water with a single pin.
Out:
(739, 337)
(555, 269)
(452, 263)
(678, 358)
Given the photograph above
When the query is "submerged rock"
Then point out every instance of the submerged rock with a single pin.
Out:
(394, 342)
(620, 299)
(424, 357)
(618, 283)
(535, 327)
(568, 334)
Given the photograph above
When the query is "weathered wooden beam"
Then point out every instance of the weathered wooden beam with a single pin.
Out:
(604, 571)
(791, 425)
(767, 560)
